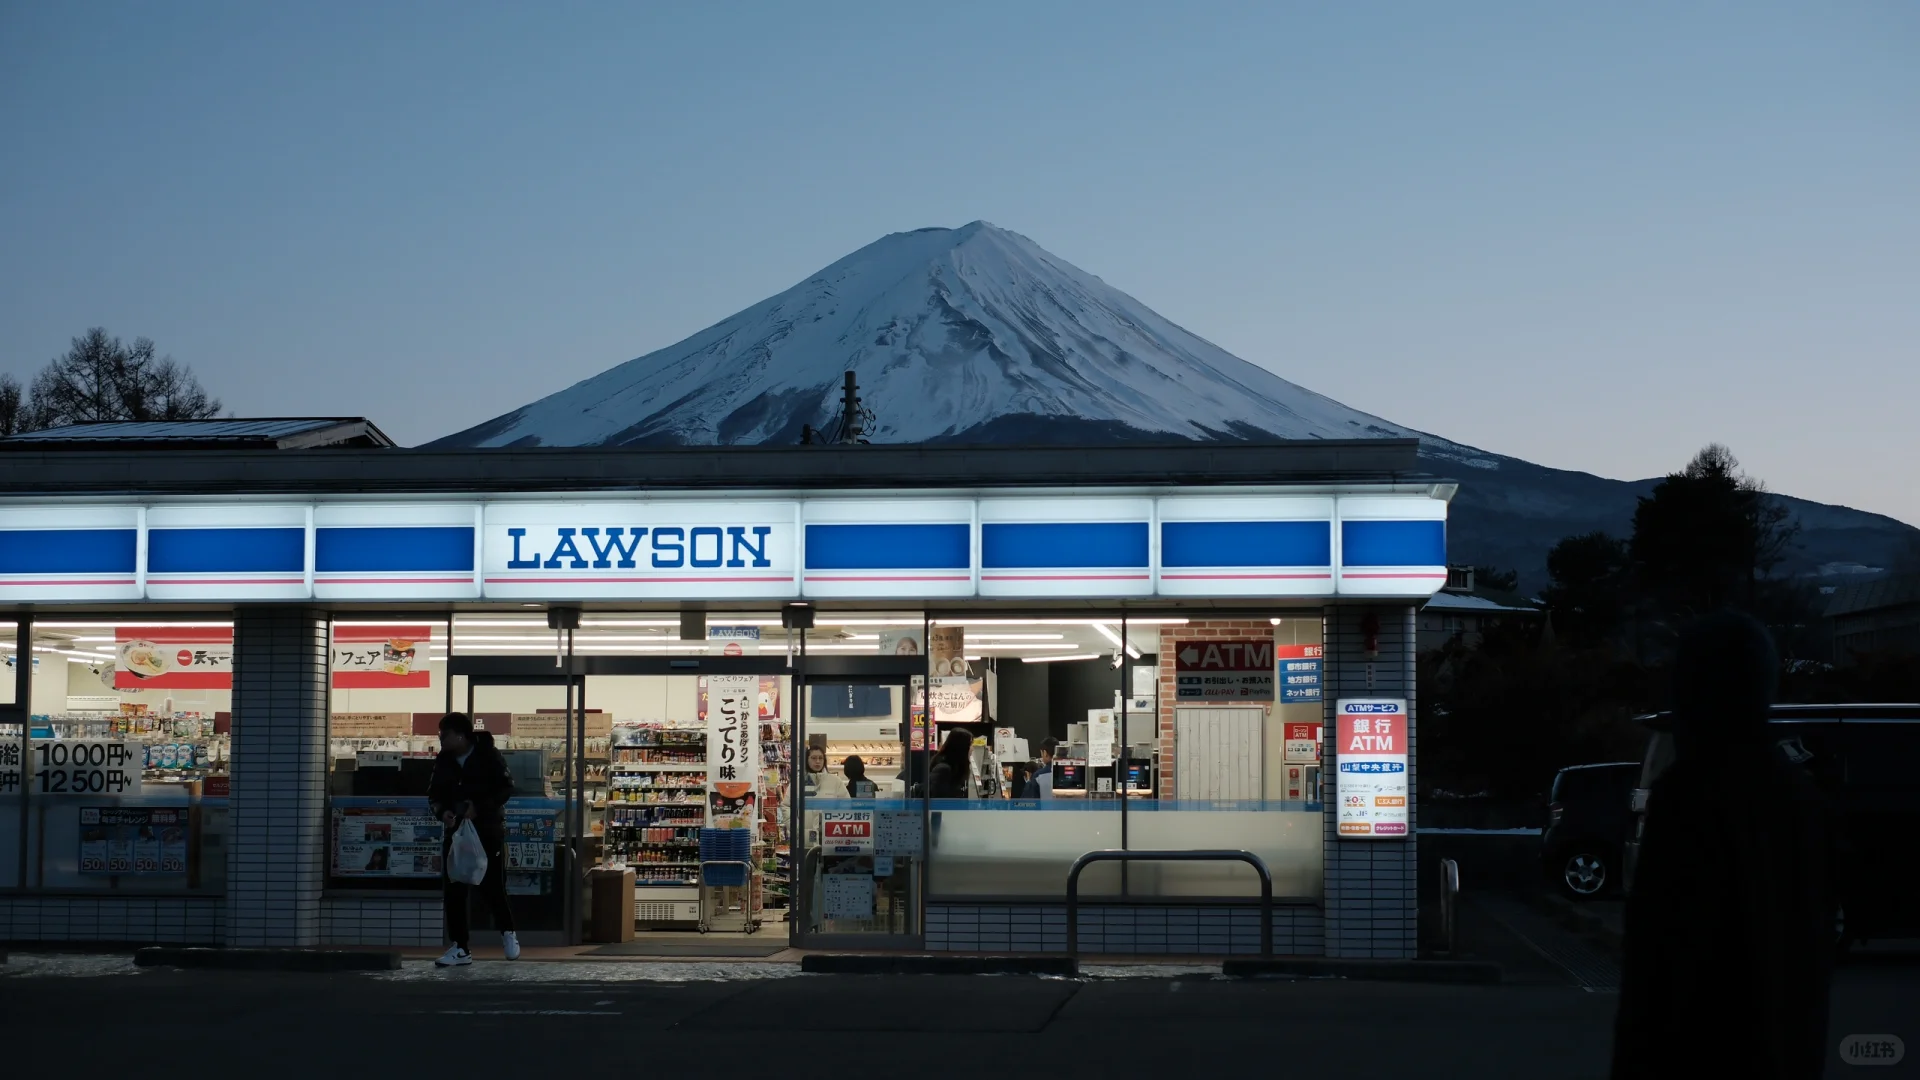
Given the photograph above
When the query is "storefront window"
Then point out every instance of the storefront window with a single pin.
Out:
(123, 781)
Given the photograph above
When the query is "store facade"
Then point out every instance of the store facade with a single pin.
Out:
(226, 681)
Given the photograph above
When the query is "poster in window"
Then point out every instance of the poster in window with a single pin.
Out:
(372, 657)
(173, 658)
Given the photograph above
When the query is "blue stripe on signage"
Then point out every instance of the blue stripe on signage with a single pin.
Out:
(1246, 543)
(374, 550)
(226, 551)
(1065, 545)
(1393, 543)
(69, 551)
(888, 547)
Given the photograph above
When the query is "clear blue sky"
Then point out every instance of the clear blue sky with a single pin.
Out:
(1593, 236)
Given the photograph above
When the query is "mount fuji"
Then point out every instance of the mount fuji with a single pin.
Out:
(979, 335)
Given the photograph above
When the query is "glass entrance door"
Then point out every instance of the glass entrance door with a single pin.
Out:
(538, 725)
(861, 845)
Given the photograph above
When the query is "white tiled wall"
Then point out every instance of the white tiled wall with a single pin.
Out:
(183, 920)
(1131, 930)
(397, 921)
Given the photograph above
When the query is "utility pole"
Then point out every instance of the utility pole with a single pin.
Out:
(854, 417)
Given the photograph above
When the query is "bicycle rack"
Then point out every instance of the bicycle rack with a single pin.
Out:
(1120, 856)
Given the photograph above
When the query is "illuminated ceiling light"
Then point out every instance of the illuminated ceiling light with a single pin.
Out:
(991, 636)
(1052, 659)
(143, 624)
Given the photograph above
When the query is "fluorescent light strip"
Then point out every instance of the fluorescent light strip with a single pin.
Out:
(1051, 659)
(135, 621)
(1107, 632)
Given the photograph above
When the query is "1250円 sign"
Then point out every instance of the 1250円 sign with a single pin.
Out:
(84, 767)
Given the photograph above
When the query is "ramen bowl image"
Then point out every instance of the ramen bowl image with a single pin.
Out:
(143, 659)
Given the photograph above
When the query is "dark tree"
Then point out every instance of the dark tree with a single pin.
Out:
(12, 407)
(1487, 577)
(1708, 535)
(100, 378)
(1592, 582)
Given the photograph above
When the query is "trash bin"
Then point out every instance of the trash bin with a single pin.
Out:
(612, 908)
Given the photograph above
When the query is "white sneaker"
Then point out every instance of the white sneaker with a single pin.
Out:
(512, 942)
(455, 956)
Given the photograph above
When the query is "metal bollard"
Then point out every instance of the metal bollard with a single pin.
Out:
(1449, 901)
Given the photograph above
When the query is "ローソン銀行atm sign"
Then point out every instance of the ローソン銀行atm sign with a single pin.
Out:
(1370, 750)
(614, 549)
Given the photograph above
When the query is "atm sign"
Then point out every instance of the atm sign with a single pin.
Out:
(846, 832)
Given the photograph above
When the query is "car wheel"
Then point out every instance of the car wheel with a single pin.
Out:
(1585, 873)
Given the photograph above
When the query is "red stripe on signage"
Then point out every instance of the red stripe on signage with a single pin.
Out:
(382, 633)
(184, 680)
(628, 580)
(63, 582)
(162, 582)
(375, 680)
(1245, 577)
(1063, 577)
(448, 579)
(176, 635)
(891, 577)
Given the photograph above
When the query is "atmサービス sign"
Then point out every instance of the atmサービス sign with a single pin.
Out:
(1370, 749)
(1223, 670)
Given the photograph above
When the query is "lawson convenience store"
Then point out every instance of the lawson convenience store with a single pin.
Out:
(226, 676)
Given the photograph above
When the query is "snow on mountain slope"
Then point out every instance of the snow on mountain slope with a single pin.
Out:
(947, 330)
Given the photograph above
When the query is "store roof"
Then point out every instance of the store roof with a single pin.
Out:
(1891, 591)
(103, 467)
(1465, 603)
(272, 433)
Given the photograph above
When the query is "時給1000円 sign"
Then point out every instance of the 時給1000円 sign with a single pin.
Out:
(1370, 750)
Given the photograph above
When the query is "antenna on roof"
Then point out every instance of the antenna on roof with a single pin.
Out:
(856, 420)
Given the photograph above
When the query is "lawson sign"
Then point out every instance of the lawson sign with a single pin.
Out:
(1011, 545)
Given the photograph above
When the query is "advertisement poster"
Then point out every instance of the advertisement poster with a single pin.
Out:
(846, 832)
(1370, 747)
(385, 837)
(902, 642)
(173, 658)
(730, 805)
(146, 840)
(1299, 673)
(1100, 738)
(729, 707)
(10, 771)
(1302, 744)
(733, 640)
(769, 697)
(370, 657)
(1223, 670)
(531, 827)
(898, 833)
(84, 766)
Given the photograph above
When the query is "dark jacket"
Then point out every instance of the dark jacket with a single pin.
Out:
(945, 781)
(1730, 927)
(483, 782)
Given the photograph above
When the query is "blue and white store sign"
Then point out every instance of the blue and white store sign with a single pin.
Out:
(1017, 546)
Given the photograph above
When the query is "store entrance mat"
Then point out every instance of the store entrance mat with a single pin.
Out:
(690, 948)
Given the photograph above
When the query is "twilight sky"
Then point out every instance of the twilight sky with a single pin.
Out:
(1594, 239)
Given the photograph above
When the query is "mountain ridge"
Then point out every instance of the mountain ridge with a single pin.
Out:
(977, 334)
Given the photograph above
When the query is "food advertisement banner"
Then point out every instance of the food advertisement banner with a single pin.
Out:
(955, 693)
(532, 827)
(173, 658)
(729, 707)
(370, 657)
(140, 840)
(1370, 746)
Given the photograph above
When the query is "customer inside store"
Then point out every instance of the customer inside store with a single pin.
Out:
(858, 786)
(952, 767)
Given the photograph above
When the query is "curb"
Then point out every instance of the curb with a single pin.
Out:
(877, 964)
(1428, 971)
(267, 959)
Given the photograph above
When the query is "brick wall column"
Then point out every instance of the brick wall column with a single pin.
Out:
(276, 864)
(1372, 891)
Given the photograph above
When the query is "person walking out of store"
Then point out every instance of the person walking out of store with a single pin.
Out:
(1730, 926)
(471, 783)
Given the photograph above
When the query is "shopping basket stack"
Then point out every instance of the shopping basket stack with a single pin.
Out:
(726, 862)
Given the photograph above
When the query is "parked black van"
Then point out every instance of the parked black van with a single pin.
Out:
(1867, 759)
(1588, 823)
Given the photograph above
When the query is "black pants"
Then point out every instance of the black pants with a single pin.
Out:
(492, 888)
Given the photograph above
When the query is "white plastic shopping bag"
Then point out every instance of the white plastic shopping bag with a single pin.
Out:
(467, 858)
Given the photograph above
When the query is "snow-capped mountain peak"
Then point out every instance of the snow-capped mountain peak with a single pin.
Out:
(954, 335)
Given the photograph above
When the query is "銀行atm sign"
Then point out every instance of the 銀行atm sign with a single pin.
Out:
(1370, 748)
(1223, 670)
